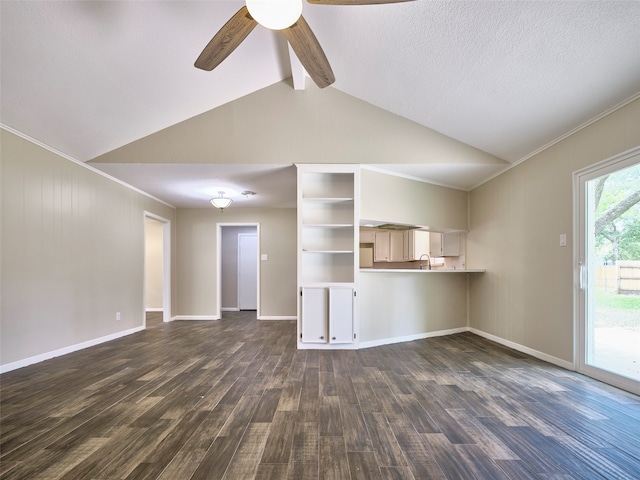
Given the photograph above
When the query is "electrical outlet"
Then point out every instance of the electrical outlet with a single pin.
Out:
(117, 316)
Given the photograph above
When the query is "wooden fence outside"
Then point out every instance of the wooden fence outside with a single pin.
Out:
(624, 277)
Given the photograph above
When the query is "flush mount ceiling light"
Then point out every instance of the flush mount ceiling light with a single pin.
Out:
(221, 201)
(285, 15)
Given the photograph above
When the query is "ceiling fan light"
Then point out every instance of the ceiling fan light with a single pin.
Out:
(275, 14)
(221, 202)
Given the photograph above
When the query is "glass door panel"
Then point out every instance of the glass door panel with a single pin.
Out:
(609, 276)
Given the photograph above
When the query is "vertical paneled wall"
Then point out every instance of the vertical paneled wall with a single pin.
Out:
(72, 253)
(526, 296)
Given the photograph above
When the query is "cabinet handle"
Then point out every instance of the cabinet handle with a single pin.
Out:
(333, 338)
(321, 337)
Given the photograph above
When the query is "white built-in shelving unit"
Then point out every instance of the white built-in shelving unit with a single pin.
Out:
(328, 212)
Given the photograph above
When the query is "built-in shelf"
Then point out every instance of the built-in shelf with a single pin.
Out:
(327, 254)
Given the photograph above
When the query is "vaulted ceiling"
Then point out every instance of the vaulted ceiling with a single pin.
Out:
(114, 81)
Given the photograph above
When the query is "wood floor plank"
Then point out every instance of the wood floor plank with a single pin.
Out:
(215, 462)
(334, 463)
(330, 417)
(267, 406)
(290, 396)
(363, 466)
(355, 433)
(268, 471)
(303, 471)
(235, 399)
(244, 463)
(421, 461)
(304, 448)
(278, 446)
(447, 455)
(385, 445)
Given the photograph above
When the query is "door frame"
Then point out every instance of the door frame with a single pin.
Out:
(581, 279)
(219, 227)
(166, 266)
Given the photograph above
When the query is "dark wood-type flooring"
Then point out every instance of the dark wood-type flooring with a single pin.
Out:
(234, 399)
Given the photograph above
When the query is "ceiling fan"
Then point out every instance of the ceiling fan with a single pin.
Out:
(285, 15)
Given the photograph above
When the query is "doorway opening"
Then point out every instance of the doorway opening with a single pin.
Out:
(608, 270)
(157, 266)
(238, 268)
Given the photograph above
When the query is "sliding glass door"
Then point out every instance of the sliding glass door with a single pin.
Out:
(608, 274)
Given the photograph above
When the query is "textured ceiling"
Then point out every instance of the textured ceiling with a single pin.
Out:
(506, 77)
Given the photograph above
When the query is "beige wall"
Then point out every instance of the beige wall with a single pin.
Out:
(401, 305)
(306, 126)
(153, 264)
(72, 253)
(390, 198)
(526, 295)
(197, 264)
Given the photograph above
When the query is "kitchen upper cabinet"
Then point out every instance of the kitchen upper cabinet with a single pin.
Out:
(435, 244)
(367, 236)
(403, 246)
(398, 247)
(417, 244)
(381, 246)
(444, 244)
(450, 244)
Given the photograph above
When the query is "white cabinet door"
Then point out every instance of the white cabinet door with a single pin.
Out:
(450, 244)
(314, 314)
(397, 247)
(340, 315)
(418, 244)
(381, 247)
(435, 244)
(367, 236)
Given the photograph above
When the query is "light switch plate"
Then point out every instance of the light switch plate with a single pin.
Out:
(563, 239)
(264, 257)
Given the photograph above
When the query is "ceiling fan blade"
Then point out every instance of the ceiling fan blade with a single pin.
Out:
(226, 40)
(355, 2)
(309, 52)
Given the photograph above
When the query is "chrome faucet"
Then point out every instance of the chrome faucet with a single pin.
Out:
(428, 258)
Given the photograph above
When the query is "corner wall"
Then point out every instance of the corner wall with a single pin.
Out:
(72, 254)
(526, 294)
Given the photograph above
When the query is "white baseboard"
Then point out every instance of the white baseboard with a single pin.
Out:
(154, 309)
(63, 351)
(410, 338)
(195, 317)
(272, 317)
(230, 309)
(521, 348)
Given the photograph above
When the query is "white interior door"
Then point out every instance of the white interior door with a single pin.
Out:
(247, 271)
(607, 305)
